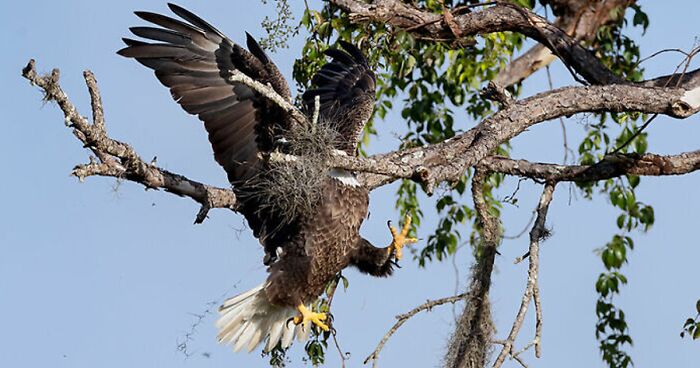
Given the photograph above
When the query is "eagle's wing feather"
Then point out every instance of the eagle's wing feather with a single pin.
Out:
(195, 61)
(346, 91)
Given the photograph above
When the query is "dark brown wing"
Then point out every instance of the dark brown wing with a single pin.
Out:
(346, 88)
(194, 60)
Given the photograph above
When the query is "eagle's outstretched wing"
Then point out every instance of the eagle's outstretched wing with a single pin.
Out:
(194, 60)
(346, 89)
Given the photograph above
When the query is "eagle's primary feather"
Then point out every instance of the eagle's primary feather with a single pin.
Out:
(305, 250)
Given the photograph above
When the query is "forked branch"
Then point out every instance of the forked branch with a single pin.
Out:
(537, 233)
(117, 159)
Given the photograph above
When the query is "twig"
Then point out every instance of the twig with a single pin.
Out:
(538, 230)
(317, 110)
(539, 24)
(268, 92)
(343, 356)
(514, 356)
(538, 320)
(658, 53)
(330, 294)
(686, 60)
(635, 135)
(402, 318)
(183, 343)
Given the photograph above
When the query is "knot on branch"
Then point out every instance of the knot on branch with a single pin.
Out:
(688, 105)
(423, 175)
(495, 92)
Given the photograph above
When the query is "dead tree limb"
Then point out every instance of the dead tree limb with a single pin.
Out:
(402, 318)
(536, 234)
(429, 165)
(117, 159)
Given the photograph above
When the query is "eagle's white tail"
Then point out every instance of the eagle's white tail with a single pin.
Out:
(248, 319)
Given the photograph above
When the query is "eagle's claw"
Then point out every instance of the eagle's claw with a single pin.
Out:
(305, 316)
(400, 239)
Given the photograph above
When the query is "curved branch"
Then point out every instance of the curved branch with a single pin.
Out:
(579, 19)
(118, 159)
(402, 318)
(502, 17)
(447, 161)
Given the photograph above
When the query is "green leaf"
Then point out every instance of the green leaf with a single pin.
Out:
(621, 221)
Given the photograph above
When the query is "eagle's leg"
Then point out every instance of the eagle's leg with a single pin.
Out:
(400, 239)
(305, 316)
(381, 261)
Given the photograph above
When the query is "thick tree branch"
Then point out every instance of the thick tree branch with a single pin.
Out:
(580, 19)
(536, 234)
(117, 159)
(428, 165)
(502, 17)
(447, 161)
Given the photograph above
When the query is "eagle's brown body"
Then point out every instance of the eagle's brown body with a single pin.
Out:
(303, 253)
(304, 268)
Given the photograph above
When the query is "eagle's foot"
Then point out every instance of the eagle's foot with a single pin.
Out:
(305, 316)
(400, 239)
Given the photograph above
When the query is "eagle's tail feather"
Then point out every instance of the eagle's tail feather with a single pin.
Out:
(248, 319)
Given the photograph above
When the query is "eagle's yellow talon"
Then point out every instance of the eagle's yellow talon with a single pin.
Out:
(399, 238)
(305, 316)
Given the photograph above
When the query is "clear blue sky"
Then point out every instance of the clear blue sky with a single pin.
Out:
(108, 275)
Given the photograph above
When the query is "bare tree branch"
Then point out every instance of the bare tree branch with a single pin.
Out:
(611, 166)
(447, 161)
(117, 159)
(504, 16)
(269, 93)
(536, 234)
(538, 320)
(402, 318)
(429, 165)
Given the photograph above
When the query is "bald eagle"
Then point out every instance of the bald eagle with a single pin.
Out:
(305, 251)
